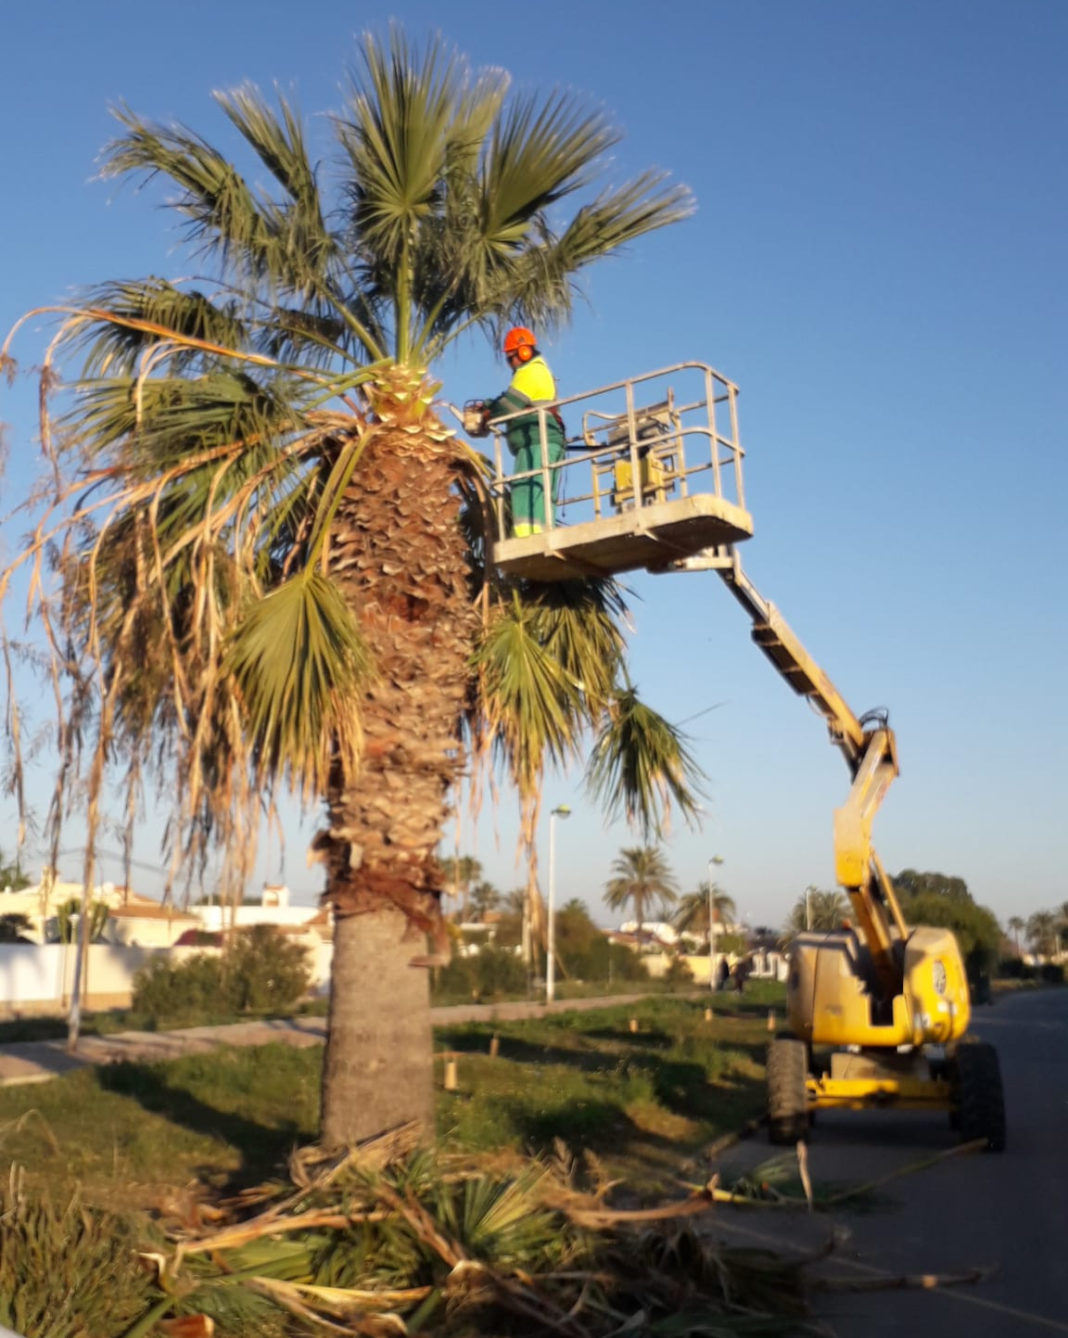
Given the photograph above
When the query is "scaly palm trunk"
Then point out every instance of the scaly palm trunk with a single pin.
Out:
(400, 559)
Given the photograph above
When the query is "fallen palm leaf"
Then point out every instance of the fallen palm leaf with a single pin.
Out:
(976, 1145)
(903, 1281)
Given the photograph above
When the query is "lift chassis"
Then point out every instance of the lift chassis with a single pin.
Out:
(878, 1011)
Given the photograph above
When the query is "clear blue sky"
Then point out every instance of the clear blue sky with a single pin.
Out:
(878, 259)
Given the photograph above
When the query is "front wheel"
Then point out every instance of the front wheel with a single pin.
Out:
(978, 1109)
(787, 1091)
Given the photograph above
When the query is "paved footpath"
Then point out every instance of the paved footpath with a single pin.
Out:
(40, 1061)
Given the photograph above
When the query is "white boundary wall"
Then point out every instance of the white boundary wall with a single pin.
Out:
(42, 975)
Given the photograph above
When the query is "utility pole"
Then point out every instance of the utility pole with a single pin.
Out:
(716, 859)
(561, 811)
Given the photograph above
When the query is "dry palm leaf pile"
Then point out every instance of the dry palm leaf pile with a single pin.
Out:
(387, 1241)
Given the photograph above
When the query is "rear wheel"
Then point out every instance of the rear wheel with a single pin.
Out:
(978, 1109)
(787, 1094)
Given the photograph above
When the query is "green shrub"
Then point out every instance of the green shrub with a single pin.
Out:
(1015, 968)
(678, 975)
(180, 992)
(493, 973)
(1051, 973)
(265, 972)
(260, 973)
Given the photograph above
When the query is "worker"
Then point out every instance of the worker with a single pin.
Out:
(531, 385)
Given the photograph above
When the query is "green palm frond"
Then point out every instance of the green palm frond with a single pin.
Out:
(281, 147)
(640, 766)
(397, 137)
(297, 657)
(114, 346)
(577, 623)
(223, 212)
(531, 705)
(539, 152)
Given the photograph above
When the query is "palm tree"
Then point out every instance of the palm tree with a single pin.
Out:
(268, 564)
(692, 913)
(1017, 925)
(460, 871)
(818, 910)
(484, 897)
(1042, 932)
(641, 877)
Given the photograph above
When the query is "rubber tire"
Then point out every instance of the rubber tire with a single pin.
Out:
(787, 1073)
(978, 1099)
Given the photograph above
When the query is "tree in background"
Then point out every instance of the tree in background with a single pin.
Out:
(910, 883)
(68, 916)
(692, 913)
(641, 878)
(11, 875)
(16, 928)
(1042, 933)
(460, 872)
(934, 899)
(818, 909)
(484, 898)
(1017, 925)
(260, 556)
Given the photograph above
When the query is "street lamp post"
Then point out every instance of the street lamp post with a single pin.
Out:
(560, 811)
(716, 859)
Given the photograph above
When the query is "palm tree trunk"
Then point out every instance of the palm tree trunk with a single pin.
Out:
(375, 1073)
(400, 558)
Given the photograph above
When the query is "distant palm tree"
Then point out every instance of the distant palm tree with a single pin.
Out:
(460, 872)
(484, 897)
(1042, 932)
(1017, 925)
(692, 914)
(641, 877)
(819, 910)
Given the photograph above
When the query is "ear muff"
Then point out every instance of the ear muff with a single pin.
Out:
(524, 352)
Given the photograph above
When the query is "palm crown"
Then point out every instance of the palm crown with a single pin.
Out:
(642, 877)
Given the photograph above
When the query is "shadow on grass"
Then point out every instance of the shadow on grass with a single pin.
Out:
(263, 1148)
(601, 1126)
(678, 1083)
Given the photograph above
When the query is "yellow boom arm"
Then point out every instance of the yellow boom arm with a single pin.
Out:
(868, 747)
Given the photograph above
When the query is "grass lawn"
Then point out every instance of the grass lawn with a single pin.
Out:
(139, 1135)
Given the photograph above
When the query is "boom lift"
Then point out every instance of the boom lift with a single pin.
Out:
(878, 1010)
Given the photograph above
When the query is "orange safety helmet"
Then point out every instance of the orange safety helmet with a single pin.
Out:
(521, 342)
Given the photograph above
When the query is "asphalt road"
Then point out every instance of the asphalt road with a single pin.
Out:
(1006, 1212)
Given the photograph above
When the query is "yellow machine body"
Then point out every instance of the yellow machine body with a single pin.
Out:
(830, 1001)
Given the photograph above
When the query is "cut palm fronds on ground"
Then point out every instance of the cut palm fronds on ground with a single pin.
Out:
(423, 1244)
(430, 1245)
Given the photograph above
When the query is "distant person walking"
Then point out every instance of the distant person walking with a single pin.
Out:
(741, 974)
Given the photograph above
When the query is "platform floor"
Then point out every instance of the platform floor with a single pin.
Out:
(649, 538)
